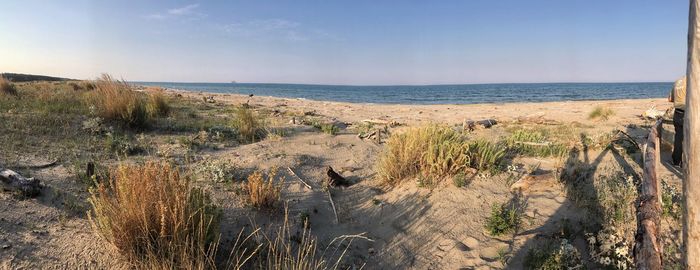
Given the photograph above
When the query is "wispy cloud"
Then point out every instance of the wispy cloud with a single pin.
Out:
(188, 11)
(289, 30)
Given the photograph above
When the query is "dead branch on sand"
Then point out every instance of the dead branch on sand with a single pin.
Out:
(29, 187)
(299, 178)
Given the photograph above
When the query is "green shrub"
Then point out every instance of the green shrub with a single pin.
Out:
(460, 180)
(534, 143)
(602, 113)
(617, 194)
(671, 201)
(122, 145)
(560, 257)
(504, 219)
(486, 156)
(330, 129)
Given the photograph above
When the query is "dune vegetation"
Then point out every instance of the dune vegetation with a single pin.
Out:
(178, 181)
(155, 218)
(601, 113)
(6, 87)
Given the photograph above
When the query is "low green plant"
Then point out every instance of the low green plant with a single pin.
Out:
(222, 133)
(460, 180)
(600, 112)
(671, 199)
(610, 249)
(486, 156)
(505, 218)
(330, 128)
(553, 257)
(218, 171)
(616, 197)
(123, 145)
(534, 143)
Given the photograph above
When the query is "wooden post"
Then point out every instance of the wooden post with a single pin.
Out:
(691, 145)
(648, 248)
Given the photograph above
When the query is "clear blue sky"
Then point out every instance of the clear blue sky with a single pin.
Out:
(348, 42)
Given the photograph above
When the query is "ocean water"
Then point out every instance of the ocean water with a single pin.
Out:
(436, 94)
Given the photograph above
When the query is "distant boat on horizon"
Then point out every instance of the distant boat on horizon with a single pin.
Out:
(234, 82)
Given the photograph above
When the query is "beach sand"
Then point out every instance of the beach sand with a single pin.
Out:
(407, 227)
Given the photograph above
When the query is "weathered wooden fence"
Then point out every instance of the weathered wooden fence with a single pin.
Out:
(647, 248)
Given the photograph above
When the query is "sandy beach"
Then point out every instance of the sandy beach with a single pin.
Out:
(408, 226)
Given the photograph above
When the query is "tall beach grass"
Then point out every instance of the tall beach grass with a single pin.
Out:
(155, 219)
(115, 100)
(6, 87)
(436, 152)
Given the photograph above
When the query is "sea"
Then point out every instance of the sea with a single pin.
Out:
(435, 94)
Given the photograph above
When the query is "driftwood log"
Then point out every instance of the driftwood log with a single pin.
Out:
(471, 124)
(335, 179)
(12, 180)
(648, 246)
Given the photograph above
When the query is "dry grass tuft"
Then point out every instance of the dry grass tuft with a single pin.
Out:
(263, 194)
(250, 128)
(283, 249)
(157, 105)
(6, 87)
(155, 219)
(434, 151)
(602, 113)
(115, 100)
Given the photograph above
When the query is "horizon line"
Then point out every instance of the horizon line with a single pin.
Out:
(385, 85)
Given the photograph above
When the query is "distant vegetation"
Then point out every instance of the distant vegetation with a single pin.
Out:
(6, 87)
(16, 77)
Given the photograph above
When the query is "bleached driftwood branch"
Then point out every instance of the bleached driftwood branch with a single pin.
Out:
(648, 246)
(12, 180)
(299, 178)
(333, 205)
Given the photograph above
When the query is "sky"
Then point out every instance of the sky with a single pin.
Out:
(348, 42)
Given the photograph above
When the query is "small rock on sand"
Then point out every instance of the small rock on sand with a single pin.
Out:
(471, 242)
(491, 254)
